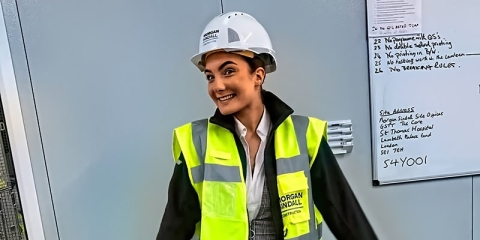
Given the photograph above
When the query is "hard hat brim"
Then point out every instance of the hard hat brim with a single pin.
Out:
(197, 59)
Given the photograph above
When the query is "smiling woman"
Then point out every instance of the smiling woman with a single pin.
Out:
(253, 170)
(233, 85)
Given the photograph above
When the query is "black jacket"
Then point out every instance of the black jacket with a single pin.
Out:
(331, 192)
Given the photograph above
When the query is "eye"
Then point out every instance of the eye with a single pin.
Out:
(209, 77)
(228, 71)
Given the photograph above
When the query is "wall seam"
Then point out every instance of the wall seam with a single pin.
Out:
(38, 120)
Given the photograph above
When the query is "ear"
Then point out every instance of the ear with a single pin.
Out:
(259, 76)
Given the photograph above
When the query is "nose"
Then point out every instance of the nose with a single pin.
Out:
(218, 85)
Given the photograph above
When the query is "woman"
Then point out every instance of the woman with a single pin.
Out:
(253, 170)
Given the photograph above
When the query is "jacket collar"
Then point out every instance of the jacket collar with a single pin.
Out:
(277, 109)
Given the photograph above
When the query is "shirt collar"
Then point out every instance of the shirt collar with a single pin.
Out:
(262, 129)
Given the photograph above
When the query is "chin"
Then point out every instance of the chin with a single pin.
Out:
(227, 110)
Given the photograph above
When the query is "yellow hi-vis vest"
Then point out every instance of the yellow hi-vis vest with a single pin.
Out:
(216, 174)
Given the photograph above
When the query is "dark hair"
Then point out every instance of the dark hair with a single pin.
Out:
(255, 63)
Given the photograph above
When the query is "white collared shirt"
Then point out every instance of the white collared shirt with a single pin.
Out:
(255, 183)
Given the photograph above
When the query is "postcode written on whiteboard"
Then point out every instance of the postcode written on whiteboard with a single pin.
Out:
(405, 124)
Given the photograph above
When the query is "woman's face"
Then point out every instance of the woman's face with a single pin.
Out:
(231, 83)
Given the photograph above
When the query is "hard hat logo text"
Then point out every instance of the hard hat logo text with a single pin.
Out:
(210, 37)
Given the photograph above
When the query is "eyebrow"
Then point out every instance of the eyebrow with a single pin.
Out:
(221, 66)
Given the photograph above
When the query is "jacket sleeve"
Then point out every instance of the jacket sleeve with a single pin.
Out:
(335, 199)
(182, 211)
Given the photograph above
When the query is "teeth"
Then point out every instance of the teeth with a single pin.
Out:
(226, 97)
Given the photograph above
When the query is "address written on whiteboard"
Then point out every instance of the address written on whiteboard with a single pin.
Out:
(404, 124)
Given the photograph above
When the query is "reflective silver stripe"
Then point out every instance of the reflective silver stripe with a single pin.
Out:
(215, 172)
(320, 230)
(199, 138)
(220, 173)
(300, 124)
(293, 164)
(197, 174)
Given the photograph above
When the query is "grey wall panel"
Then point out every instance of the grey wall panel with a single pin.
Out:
(476, 207)
(323, 71)
(20, 64)
(111, 79)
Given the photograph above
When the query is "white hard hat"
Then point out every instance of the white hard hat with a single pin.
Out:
(236, 31)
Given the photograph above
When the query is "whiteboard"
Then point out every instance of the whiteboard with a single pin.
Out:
(425, 92)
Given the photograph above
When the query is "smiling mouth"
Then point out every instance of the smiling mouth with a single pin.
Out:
(227, 97)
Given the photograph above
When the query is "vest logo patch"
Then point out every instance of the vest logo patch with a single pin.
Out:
(291, 204)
